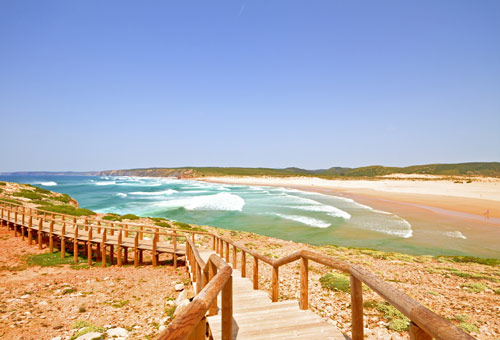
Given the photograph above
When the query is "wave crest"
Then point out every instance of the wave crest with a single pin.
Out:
(220, 201)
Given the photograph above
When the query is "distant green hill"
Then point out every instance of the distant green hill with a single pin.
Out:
(490, 169)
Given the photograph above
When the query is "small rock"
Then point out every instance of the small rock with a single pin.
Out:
(25, 296)
(161, 328)
(90, 336)
(117, 332)
(178, 287)
(182, 296)
(57, 338)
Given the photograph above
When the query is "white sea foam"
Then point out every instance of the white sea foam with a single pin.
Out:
(400, 227)
(313, 222)
(121, 194)
(47, 184)
(154, 193)
(456, 234)
(105, 183)
(330, 210)
(220, 201)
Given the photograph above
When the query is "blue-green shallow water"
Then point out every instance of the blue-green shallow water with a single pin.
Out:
(278, 212)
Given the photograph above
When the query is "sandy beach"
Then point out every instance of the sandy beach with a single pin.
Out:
(478, 199)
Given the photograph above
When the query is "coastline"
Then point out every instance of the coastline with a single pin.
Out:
(471, 200)
(468, 201)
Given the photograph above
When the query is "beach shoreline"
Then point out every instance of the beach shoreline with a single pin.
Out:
(478, 201)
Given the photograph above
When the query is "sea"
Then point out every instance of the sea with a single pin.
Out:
(284, 213)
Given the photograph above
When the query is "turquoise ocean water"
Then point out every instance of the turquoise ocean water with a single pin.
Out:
(278, 212)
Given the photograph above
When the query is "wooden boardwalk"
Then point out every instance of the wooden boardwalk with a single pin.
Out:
(245, 312)
(256, 317)
(114, 242)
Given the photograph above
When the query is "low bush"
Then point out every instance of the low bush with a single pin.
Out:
(337, 282)
(28, 194)
(397, 321)
(130, 217)
(68, 210)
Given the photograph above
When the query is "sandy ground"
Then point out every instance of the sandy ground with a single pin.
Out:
(43, 302)
(480, 197)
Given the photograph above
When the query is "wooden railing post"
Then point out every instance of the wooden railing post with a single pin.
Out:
(22, 222)
(125, 227)
(199, 283)
(119, 249)
(86, 222)
(243, 264)
(275, 284)
(112, 230)
(89, 247)
(227, 310)
(357, 309)
(174, 241)
(15, 223)
(234, 257)
(255, 273)
(63, 241)
(51, 236)
(141, 236)
(75, 244)
(155, 256)
(227, 252)
(212, 271)
(40, 226)
(213, 241)
(304, 283)
(136, 250)
(30, 235)
(103, 248)
(416, 333)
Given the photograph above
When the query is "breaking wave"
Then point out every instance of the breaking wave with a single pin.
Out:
(154, 193)
(47, 184)
(313, 222)
(105, 183)
(455, 234)
(220, 201)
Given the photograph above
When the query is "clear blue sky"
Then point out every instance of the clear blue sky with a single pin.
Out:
(90, 85)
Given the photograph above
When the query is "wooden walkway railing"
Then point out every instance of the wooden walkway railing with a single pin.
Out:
(215, 276)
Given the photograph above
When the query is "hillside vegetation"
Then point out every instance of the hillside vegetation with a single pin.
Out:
(489, 169)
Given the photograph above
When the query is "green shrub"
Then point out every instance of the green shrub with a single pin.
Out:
(42, 191)
(28, 194)
(497, 291)
(3, 183)
(163, 224)
(337, 282)
(85, 327)
(112, 217)
(471, 259)
(397, 321)
(130, 217)
(468, 327)
(64, 198)
(68, 210)
(461, 317)
(40, 202)
(8, 200)
(186, 226)
(49, 259)
(474, 287)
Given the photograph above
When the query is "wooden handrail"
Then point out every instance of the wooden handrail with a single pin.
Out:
(423, 320)
(215, 277)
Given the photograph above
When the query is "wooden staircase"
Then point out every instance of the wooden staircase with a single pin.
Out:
(256, 317)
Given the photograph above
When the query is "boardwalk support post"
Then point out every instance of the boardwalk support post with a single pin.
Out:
(357, 309)
(304, 283)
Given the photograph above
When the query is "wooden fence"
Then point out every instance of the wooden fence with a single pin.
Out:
(215, 277)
